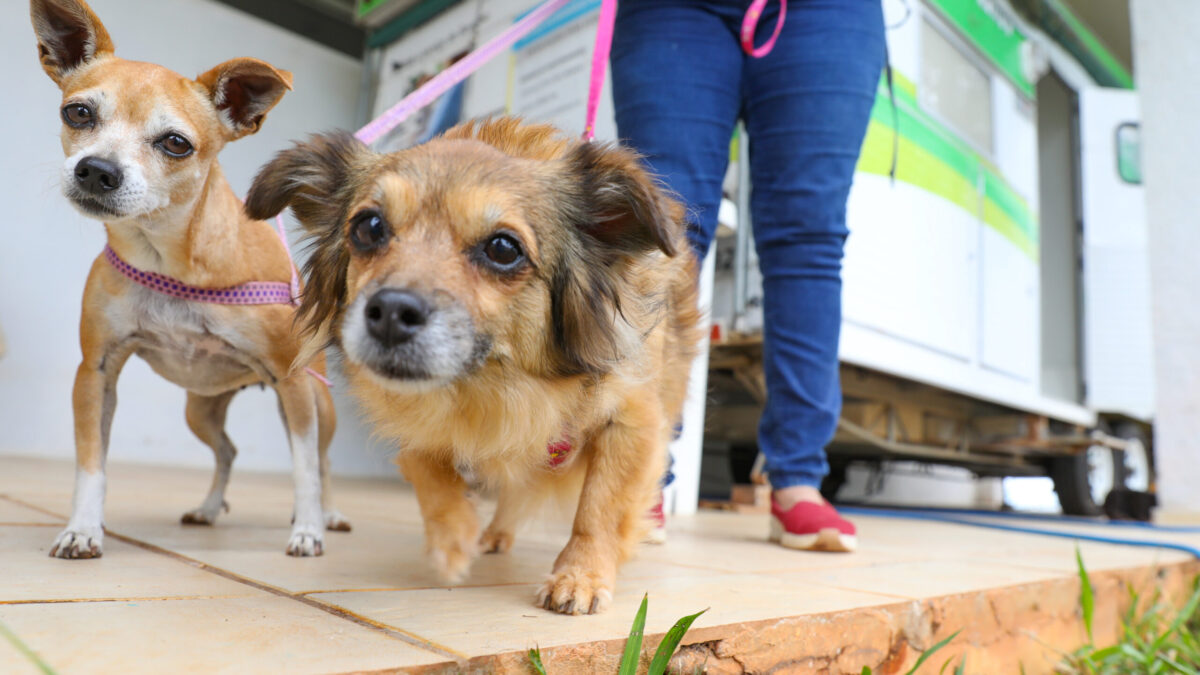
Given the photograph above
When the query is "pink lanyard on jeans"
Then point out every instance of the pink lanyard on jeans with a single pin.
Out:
(750, 25)
(604, 36)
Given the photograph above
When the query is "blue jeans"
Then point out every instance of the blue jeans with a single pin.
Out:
(680, 83)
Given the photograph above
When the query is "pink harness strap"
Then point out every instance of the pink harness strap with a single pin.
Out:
(250, 293)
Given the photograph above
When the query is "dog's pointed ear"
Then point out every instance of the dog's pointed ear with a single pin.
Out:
(619, 213)
(69, 34)
(244, 90)
(626, 209)
(317, 179)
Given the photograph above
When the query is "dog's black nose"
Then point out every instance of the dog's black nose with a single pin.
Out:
(395, 316)
(97, 176)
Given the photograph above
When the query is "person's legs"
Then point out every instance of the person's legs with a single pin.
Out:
(807, 104)
(677, 69)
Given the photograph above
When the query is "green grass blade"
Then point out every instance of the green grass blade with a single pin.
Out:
(1178, 667)
(662, 656)
(20, 646)
(945, 664)
(1132, 652)
(962, 666)
(931, 651)
(1102, 654)
(535, 660)
(866, 670)
(1086, 599)
(633, 646)
(1186, 613)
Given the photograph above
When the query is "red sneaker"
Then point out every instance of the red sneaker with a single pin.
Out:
(658, 523)
(812, 527)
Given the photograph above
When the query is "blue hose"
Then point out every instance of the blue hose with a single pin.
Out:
(944, 517)
(1049, 517)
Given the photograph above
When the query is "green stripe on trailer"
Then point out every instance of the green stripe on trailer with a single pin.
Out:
(1000, 221)
(932, 158)
(997, 37)
(407, 20)
(365, 7)
(916, 165)
(1010, 203)
(903, 85)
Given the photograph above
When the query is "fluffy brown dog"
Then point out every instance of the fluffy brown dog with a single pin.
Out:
(496, 292)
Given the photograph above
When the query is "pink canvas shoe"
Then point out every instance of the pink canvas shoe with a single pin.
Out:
(812, 527)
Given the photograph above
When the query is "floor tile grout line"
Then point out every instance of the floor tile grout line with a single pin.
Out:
(21, 502)
(152, 598)
(329, 608)
(389, 589)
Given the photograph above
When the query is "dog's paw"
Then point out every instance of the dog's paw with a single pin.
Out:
(305, 543)
(574, 590)
(204, 514)
(451, 553)
(492, 541)
(78, 543)
(334, 520)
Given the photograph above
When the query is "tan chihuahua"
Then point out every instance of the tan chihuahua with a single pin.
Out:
(141, 143)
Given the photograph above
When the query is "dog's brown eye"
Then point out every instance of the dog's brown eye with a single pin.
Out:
(174, 145)
(78, 115)
(503, 251)
(368, 231)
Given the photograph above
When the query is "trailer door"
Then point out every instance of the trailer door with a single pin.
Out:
(1118, 365)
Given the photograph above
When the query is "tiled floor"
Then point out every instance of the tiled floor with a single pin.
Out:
(226, 598)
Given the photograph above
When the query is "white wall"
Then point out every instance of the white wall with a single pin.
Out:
(1167, 59)
(48, 247)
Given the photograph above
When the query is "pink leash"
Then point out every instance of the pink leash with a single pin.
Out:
(442, 82)
(750, 26)
(459, 71)
(604, 36)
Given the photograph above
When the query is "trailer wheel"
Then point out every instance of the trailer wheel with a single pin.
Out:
(1138, 464)
(1084, 480)
(835, 479)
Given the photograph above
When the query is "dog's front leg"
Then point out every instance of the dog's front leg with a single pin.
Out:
(498, 537)
(451, 523)
(94, 399)
(299, 410)
(625, 459)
